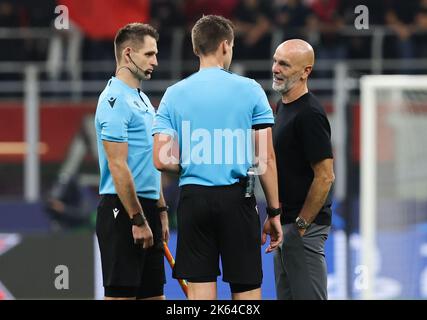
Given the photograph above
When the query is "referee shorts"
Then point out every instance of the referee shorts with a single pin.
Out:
(128, 270)
(216, 222)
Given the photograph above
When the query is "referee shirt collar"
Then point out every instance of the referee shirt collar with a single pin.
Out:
(117, 82)
(214, 68)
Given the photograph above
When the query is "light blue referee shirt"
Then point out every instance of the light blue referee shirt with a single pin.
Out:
(125, 114)
(212, 113)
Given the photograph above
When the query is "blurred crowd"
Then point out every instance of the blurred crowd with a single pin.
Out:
(319, 21)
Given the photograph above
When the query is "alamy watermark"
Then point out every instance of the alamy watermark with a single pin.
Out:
(217, 147)
(361, 279)
(62, 280)
(62, 21)
(362, 20)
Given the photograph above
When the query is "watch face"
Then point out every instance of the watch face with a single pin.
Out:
(301, 223)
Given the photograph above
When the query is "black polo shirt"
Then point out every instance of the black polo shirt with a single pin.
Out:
(301, 136)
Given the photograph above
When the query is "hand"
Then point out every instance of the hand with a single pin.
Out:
(252, 37)
(272, 227)
(302, 232)
(57, 205)
(143, 235)
(403, 32)
(165, 226)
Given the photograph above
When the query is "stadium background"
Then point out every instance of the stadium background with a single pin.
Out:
(62, 71)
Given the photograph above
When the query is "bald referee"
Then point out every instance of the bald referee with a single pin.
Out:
(213, 114)
(132, 212)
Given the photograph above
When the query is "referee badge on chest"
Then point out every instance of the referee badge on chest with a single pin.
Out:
(142, 108)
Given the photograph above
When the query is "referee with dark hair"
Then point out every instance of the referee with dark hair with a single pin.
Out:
(132, 215)
(214, 114)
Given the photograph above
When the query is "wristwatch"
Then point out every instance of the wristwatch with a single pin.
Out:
(301, 223)
(271, 213)
(161, 209)
(138, 219)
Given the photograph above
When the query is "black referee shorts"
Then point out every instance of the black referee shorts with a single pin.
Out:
(218, 222)
(128, 270)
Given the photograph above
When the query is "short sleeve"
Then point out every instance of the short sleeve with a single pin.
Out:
(114, 118)
(262, 113)
(162, 121)
(314, 133)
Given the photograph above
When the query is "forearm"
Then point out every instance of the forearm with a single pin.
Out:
(74, 213)
(161, 202)
(262, 26)
(269, 184)
(170, 168)
(315, 199)
(125, 189)
(242, 27)
(166, 154)
(266, 166)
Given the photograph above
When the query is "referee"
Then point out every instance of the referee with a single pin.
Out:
(213, 113)
(132, 212)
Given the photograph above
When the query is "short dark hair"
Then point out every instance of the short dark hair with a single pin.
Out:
(133, 35)
(209, 31)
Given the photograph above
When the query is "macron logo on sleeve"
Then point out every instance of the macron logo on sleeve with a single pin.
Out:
(112, 101)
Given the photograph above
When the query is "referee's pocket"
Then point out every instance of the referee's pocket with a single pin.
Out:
(250, 203)
(251, 209)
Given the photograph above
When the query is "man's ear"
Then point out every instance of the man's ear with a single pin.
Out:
(126, 54)
(307, 71)
(224, 46)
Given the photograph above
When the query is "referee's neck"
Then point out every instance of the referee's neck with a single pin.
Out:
(127, 77)
(210, 62)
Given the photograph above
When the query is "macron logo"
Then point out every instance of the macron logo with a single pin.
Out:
(112, 101)
(115, 212)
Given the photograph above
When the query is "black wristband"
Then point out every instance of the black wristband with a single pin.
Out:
(161, 209)
(271, 213)
(138, 220)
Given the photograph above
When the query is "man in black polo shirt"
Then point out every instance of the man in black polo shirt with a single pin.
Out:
(302, 142)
